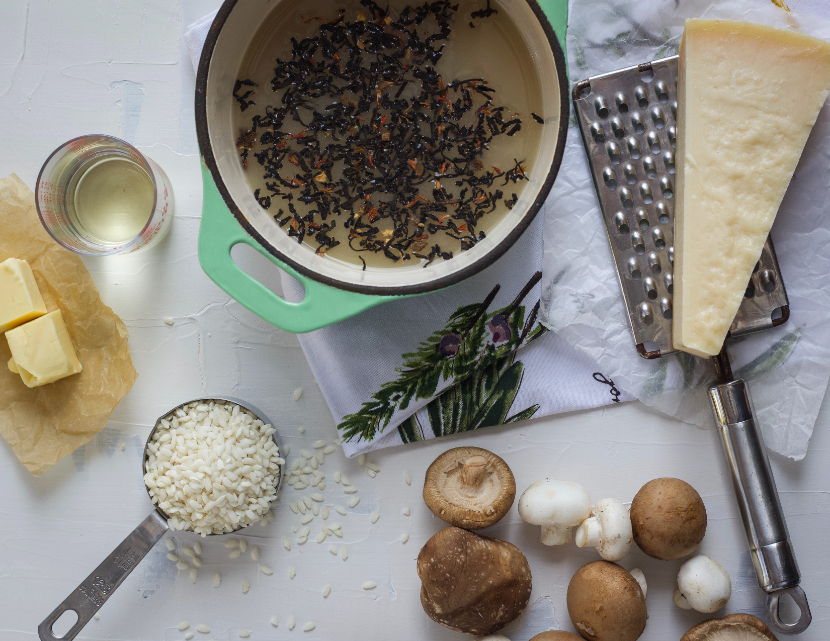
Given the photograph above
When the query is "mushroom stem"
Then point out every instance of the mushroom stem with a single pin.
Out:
(474, 471)
(680, 601)
(555, 535)
(589, 534)
(637, 573)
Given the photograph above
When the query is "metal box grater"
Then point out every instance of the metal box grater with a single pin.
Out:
(627, 119)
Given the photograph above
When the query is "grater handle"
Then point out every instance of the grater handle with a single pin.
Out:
(764, 523)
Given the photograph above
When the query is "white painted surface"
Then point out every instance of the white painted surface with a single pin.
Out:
(119, 67)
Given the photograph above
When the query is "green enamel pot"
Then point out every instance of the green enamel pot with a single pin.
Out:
(335, 291)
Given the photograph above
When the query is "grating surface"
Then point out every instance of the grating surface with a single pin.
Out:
(627, 119)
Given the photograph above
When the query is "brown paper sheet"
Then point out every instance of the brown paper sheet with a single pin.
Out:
(44, 424)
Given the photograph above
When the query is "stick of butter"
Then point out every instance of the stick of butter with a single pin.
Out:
(42, 351)
(20, 299)
(748, 96)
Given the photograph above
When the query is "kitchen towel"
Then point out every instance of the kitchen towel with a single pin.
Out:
(470, 356)
(787, 367)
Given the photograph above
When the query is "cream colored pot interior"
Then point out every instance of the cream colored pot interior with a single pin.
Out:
(233, 41)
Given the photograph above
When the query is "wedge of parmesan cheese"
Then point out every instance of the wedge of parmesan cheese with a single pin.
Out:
(748, 96)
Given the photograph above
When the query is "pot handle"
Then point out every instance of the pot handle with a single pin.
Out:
(322, 305)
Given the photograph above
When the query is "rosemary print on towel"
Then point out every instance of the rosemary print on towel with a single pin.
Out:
(476, 350)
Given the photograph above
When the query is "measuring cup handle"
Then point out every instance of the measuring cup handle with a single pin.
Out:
(94, 590)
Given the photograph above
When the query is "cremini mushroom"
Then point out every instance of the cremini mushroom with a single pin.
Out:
(668, 519)
(557, 506)
(556, 635)
(606, 603)
(469, 487)
(608, 529)
(702, 585)
(472, 583)
(733, 627)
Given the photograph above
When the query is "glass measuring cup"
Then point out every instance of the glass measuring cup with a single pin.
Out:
(98, 195)
(94, 591)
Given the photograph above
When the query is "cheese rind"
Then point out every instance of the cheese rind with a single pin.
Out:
(20, 299)
(42, 351)
(748, 96)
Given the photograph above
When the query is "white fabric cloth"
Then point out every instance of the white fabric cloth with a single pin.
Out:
(787, 367)
(354, 358)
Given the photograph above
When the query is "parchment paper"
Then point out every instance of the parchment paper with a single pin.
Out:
(44, 424)
(787, 367)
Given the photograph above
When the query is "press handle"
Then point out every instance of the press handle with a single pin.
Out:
(764, 522)
(94, 591)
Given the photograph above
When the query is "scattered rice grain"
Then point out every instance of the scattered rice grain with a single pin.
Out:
(404, 538)
(318, 497)
(318, 444)
(188, 551)
(243, 545)
(344, 479)
(255, 554)
(407, 478)
(188, 636)
(244, 634)
(266, 570)
(202, 628)
(308, 518)
(375, 516)
(168, 320)
(217, 579)
(292, 572)
(340, 509)
(197, 547)
(321, 537)
(371, 473)
(275, 621)
(406, 511)
(246, 585)
(293, 507)
(183, 625)
(344, 553)
(361, 460)
(328, 449)
(173, 557)
(301, 429)
(182, 565)
(235, 553)
(298, 393)
(374, 467)
(369, 585)
(326, 591)
(308, 627)
(232, 543)
(291, 622)
(354, 501)
(286, 543)
(350, 490)
(325, 512)
(171, 544)
(194, 574)
(333, 549)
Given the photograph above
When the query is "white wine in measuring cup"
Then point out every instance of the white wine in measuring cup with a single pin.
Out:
(98, 195)
(112, 200)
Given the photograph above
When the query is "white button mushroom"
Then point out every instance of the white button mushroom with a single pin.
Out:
(702, 585)
(557, 506)
(608, 530)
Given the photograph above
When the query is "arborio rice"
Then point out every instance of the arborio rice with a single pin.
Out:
(212, 468)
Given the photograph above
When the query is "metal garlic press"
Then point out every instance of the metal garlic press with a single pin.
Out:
(628, 124)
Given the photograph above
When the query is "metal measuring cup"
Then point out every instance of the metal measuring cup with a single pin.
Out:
(94, 591)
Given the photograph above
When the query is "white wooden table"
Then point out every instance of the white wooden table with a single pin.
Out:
(70, 67)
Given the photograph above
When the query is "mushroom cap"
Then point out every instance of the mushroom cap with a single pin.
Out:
(668, 519)
(554, 502)
(472, 583)
(606, 603)
(469, 487)
(704, 583)
(556, 635)
(733, 627)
